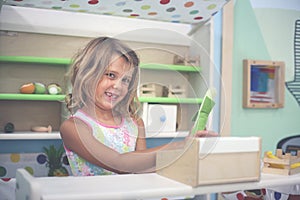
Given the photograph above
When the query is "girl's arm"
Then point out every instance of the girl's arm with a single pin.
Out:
(141, 146)
(77, 136)
(141, 140)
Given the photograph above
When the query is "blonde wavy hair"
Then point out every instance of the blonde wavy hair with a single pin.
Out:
(89, 65)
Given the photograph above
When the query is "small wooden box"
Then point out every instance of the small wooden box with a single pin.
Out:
(151, 90)
(283, 164)
(177, 92)
(187, 60)
(212, 160)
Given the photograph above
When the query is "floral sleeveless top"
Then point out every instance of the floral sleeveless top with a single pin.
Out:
(121, 138)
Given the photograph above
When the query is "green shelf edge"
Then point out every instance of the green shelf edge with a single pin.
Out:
(31, 59)
(157, 66)
(66, 61)
(32, 97)
(47, 97)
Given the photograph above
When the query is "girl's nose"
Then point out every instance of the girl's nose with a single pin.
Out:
(117, 84)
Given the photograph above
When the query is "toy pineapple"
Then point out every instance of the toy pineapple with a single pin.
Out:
(54, 161)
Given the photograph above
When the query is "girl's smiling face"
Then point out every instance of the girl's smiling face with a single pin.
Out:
(114, 85)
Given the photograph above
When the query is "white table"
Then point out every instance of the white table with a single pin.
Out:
(131, 186)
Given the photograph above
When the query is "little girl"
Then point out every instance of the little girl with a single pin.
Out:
(104, 134)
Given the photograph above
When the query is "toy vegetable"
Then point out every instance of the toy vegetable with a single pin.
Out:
(33, 88)
(54, 88)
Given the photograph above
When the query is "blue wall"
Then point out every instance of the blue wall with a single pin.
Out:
(256, 37)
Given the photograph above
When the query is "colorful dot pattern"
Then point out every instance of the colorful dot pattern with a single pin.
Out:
(177, 11)
(34, 163)
(261, 194)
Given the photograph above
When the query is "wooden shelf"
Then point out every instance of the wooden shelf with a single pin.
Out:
(177, 134)
(28, 135)
(47, 97)
(66, 61)
(170, 100)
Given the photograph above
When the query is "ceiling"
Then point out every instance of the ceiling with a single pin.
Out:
(176, 11)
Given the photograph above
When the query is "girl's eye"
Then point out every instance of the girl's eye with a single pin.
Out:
(110, 75)
(126, 80)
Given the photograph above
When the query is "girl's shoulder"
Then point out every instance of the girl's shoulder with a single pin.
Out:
(71, 123)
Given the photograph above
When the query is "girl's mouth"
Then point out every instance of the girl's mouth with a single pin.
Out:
(112, 96)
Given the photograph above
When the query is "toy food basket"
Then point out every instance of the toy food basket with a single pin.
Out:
(283, 164)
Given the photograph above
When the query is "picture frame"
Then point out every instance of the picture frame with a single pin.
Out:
(263, 84)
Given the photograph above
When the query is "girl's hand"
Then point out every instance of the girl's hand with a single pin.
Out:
(206, 133)
(199, 134)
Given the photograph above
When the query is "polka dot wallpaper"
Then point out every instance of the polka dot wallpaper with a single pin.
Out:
(177, 11)
(34, 163)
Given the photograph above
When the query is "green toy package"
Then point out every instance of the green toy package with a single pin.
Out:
(204, 110)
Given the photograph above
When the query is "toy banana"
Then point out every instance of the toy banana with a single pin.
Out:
(270, 155)
(295, 165)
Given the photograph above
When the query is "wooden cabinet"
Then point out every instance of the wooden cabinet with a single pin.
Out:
(27, 110)
(170, 78)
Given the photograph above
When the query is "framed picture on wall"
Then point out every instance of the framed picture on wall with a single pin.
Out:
(263, 84)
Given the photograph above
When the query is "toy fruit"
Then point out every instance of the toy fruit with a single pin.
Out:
(42, 129)
(295, 165)
(33, 88)
(9, 128)
(40, 88)
(270, 155)
(54, 161)
(27, 88)
(54, 88)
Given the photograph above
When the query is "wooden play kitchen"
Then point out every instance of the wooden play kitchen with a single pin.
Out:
(214, 160)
